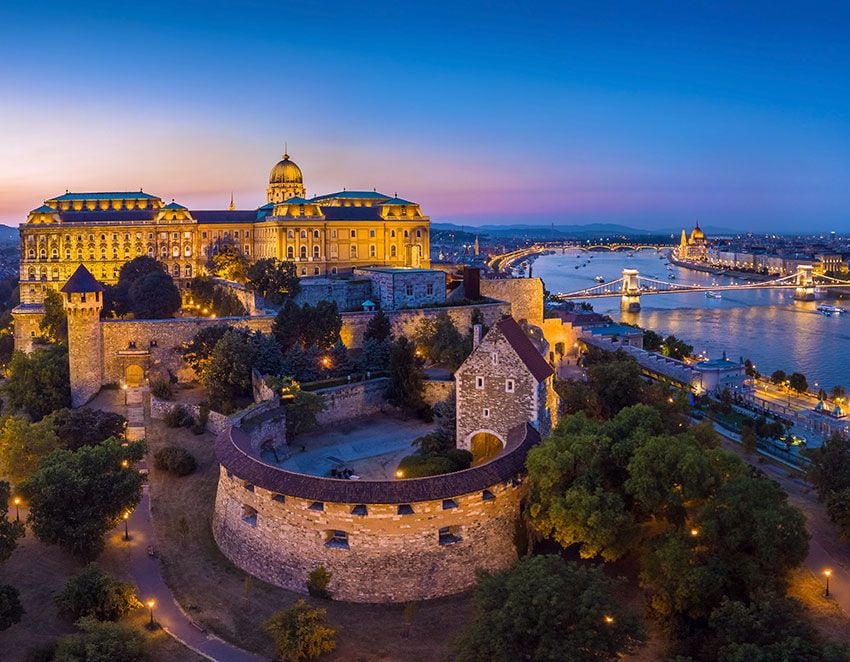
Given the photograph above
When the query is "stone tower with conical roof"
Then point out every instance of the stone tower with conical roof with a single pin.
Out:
(83, 300)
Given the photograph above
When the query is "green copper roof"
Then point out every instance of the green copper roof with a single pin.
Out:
(44, 209)
(374, 195)
(174, 205)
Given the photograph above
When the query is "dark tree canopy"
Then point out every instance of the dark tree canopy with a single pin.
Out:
(210, 298)
(273, 280)
(405, 387)
(85, 427)
(99, 641)
(617, 384)
(39, 383)
(547, 609)
(798, 382)
(197, 353)
(75, 497)
(318, 325)
(228, 261)
(11, 609)
(300, 632)
(441, 342)
(379, 327)
(117, 297)
(23, 445)
(227, 375)
(154, 296)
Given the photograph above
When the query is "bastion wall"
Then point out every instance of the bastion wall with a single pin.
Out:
(279, 526)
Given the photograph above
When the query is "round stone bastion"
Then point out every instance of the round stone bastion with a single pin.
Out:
(381, 540)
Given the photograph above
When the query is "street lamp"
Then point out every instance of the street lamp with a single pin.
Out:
(151, 604)
(827, 573)
(17, 502)
(609, 620)
(126, 530)
(694, 533)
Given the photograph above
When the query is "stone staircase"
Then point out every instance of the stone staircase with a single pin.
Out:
(135, 398)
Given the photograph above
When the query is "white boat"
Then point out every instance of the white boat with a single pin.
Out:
(713, 295)
(599, 279)
(831, 310)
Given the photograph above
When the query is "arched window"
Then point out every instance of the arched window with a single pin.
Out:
(315, 234)
(31, 253)
(176, 270)
(188, 271)
(175, 251)
(392, 234)
(406, 234)
(187, 251)
(290, 252)
(303, 234)
(303, 252)
(393, 251)
(418, 233)
(163, 251)
(290, 234)
(315, 252)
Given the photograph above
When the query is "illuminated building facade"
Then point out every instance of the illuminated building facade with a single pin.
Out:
(324, 235)
(693, 247)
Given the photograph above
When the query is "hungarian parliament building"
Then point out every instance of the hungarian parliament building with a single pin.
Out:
(325, 235)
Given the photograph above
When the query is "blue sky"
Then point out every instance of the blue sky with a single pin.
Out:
(650, 114)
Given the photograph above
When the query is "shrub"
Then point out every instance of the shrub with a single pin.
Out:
(95, 593)
(300, 633)
(161, 389)
(177, 460)
(317, 583)
(178, 417)
(203, 416)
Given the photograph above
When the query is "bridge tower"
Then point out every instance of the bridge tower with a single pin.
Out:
(805, 283)
(630, 301)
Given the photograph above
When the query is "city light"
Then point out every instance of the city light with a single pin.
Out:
(399, 473)
(609, 619)
(827, 573)
(694, 533)
(151, 603)
(17, 502)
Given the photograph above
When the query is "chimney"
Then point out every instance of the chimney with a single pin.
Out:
(476, 335)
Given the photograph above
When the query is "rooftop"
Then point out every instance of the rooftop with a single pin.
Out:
(373, 195)
(524, 348)
(82, 281)
(107, 195)
(615, 330)
(717, 364)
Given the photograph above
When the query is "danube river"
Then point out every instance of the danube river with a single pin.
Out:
(766, 326)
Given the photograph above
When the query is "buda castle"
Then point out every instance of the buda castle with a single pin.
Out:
(323, 235)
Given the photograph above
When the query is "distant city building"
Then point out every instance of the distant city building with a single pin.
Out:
(693, 248)
(324, 235)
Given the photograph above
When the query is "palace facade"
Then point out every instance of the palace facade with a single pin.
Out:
(323, 235)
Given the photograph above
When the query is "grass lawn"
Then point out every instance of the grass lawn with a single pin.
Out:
(232, 604)
(39, 572)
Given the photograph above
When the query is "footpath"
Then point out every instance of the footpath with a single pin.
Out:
(145, 571)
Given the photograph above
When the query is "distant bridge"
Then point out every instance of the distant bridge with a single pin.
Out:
(632, 286)
(620, 247)
(504, 260)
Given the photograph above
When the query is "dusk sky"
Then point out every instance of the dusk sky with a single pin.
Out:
(646, 114)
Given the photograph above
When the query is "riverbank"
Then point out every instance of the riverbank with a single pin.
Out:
(743, 275)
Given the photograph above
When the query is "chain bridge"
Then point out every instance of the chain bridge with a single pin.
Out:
(632, 286)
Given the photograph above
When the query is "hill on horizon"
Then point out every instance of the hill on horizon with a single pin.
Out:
(590, 230)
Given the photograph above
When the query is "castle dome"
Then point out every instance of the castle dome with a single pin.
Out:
(286, 172)
(697, 233)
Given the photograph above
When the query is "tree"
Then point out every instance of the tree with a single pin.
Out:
(85, 427)
(749, 438)
(9, 531)
(778, 377)
(102, 641)
(229, 263)
(441, 342)
(94, 593)
(322, 325)
(227, 376)
(23, 445)
(75, 497)
(266, 357)
(39, 383)
(54, 323)
(652, 342)
(154, 296)
(547, 609)
(798, 382)
(837, 392)
(405, 387)
(197, 352)
(301, 409)
(11, 609)
(117, 298)
(288, 326)
(273, 280)
(300, 633)
(829, 470)
(617, 384)
(375, 355)
(577, 395)
(210, 298)
(379, 327)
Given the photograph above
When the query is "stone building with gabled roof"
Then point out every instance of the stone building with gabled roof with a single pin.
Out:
(503, 383)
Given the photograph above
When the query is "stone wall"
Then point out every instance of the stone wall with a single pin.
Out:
(342, 403)
(151, 343)
(348, 293)
(388, 558)
(524, 294)
(435, 391)
(393, 289)
(218, 422)
(246, 297)
(405, 322)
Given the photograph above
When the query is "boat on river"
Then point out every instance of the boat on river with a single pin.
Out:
(711, 294)
(825, 309)
(599, 279)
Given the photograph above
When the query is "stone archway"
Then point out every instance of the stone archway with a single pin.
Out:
(134, 375)
(484, 447)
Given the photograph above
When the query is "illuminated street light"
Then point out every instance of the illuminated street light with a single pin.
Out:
(826, 573)
(399, 473)
(609, 619)
(694, 532)
(126, 530)
(17, 502)
(125, 463)
(151, 603)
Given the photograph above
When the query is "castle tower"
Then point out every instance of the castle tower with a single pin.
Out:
(83, 299)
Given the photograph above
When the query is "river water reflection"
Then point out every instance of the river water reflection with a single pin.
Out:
(767, 326)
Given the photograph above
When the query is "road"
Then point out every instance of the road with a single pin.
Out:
(144, 571)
